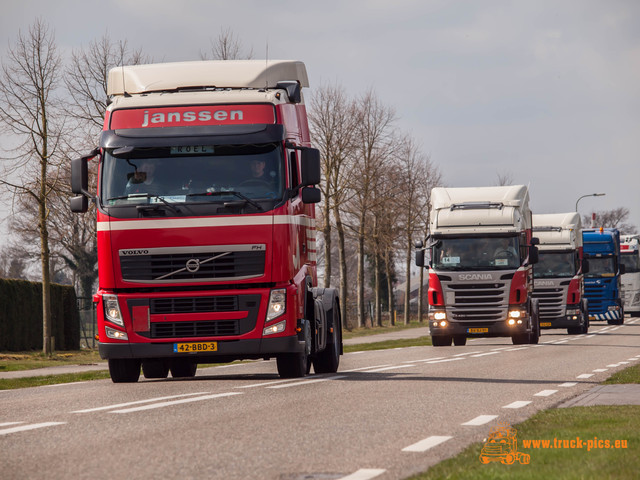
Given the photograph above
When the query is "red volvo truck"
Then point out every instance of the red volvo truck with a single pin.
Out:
(206, 221)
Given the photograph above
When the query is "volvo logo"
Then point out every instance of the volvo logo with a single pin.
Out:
(193, 265)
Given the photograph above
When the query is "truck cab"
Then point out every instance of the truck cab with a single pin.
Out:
(629, 249)
(206, 222)
(603, 281)
(480, 257)
(559, 274)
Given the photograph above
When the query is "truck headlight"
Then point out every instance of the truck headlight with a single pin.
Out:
(112, 309)
(275, 328)
(115, 334)
(277, 304)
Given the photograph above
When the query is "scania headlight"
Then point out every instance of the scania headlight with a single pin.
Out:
(277, 303)
(112, 309)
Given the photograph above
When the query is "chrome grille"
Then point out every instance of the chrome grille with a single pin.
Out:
(478, 301)
(551, 301)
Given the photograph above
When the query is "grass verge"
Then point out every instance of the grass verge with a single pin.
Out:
(400, 343)
(14, 383)
(584, 423)
(11, 362)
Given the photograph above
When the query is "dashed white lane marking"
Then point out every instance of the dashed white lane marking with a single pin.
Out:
(62, 384)
(480, 420)
(307, 382)
(585, 375)
(545, 393)
(265, 384)
(367, 368)
(138, 402)
(426, 444)
(518, 404)
(498, 349)
(614, 329)
(485, 354)
(364, 474)
(445, 360)
(467, 353)
(393, 367)
(33, 426)
(515, 349)
(175, 402)
(568, 384)
(600, 370)
(589, 336)
(6, 424)
(424, 360)
(613, 365)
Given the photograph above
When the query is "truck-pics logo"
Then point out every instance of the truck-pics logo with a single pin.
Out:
(502, 446)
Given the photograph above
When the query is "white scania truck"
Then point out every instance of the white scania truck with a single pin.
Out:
(629, 257)
(558, 276)
(481, 265)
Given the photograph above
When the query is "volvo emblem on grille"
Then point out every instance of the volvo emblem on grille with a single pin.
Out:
(193, 265)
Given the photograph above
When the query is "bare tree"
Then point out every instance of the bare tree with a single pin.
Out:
(29, 112)
(504, 178)
(374, 149)
(226, 47)
(616, 218)
(332, 121)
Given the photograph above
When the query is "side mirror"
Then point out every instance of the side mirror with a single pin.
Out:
(533, 255)
(310, 163)
(585, 266)
(79, 175)
(79, 204)
(623, 269)
(311, 195)
(535, 241)
(420, 257)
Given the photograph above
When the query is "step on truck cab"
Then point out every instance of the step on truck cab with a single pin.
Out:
(206, 223)
(602, 285)
(558, 280)
(629, 249)
(481, 254)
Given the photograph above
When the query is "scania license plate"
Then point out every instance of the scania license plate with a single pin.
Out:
(545, 324)
(477, 330)
(195, 347)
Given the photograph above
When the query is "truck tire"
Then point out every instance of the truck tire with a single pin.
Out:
(124, 370)
(534, 335)
(292, 365)
(441, 340)
(328, 360)
(459, 341)
(183, 368)
(155, 369)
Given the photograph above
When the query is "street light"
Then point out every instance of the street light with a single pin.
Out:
(589, 195)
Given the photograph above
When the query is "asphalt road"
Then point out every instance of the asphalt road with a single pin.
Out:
(386, 414)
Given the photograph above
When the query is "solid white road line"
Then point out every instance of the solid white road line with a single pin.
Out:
(426, 444)
(465, 353)
(33, 426)
(366, 368)
(307, 382)
(175, 402)
(364, 474)
(6, 424)
(480, 420)
(545, 393)
(518, 404)
(138, 402)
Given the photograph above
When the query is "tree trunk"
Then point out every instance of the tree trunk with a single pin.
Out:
(360, 294)
(407, 293)
(342, 259)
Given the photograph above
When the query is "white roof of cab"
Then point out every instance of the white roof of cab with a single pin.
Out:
(157, 77)
(558, 230)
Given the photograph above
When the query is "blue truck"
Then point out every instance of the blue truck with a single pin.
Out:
(602, 283)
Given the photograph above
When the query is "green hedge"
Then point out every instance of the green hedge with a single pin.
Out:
(21, 316)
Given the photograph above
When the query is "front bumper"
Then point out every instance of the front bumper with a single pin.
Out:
(228, 350)
(494, 329)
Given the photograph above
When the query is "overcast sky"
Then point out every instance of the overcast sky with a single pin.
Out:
(544, 92)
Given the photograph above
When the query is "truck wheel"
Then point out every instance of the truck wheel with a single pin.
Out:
(520, 339)
(155, 369)
(459, 341)
(183, 368)
(328, 360)
(534, 336)
(124, 370)
(441, 340)
(292, 365)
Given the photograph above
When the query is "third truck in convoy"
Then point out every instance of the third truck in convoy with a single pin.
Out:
(481, 254)
(558, 275)
(629, 248)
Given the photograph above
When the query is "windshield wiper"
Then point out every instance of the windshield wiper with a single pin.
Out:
(134, 196)
(230, 192)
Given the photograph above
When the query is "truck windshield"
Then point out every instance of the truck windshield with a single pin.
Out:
(601, 267)
(192, 174)
(555, 265)
(631, 262)
(475, 253)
